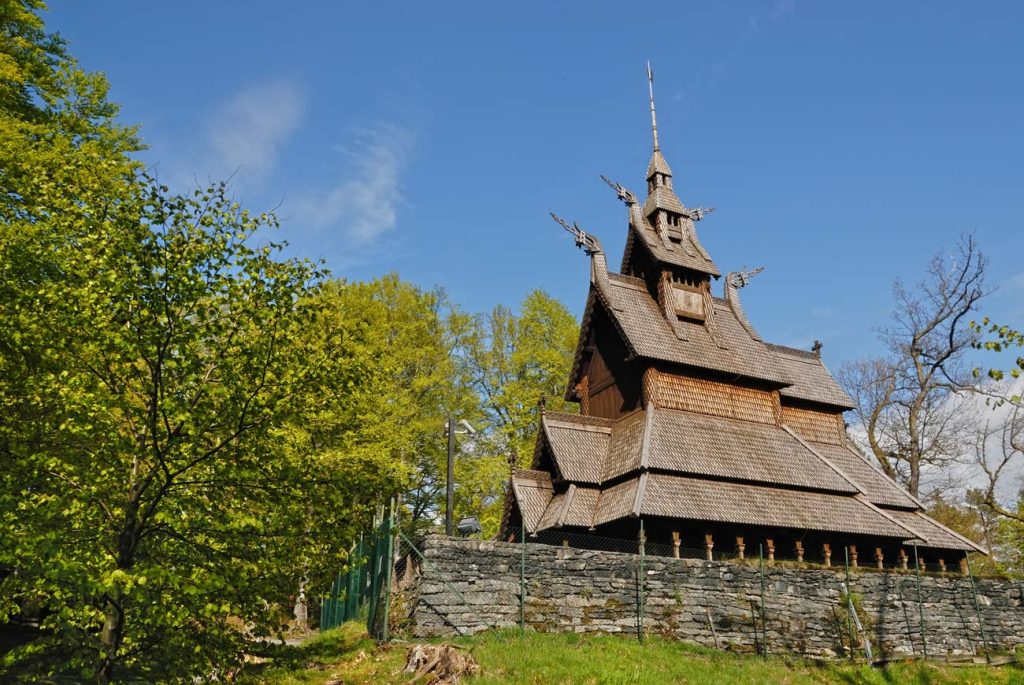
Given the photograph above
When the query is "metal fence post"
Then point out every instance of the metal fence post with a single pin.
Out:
(389, 563)
(977, 610)
(920, 603)
(522, 579)
(640, 576)
(849, 599)
(764, 634)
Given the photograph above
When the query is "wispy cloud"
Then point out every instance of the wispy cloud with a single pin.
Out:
(241, 137)
(364, 200)
(248, 131)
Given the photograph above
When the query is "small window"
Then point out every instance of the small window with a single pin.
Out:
(688, 301)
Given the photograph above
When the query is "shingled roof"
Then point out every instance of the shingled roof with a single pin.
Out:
(665, 462)
(808, 377)
(648, 334)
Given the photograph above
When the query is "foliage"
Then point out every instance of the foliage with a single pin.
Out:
(513, 363)
(414, 336)
(517, 362)
(998, 338)
(149, 469)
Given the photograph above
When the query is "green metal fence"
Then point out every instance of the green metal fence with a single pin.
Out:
(363, 588)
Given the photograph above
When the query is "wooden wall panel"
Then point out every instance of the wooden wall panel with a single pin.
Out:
(815, 426)
(705, 396)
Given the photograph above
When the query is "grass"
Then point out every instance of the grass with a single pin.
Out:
(347, 655)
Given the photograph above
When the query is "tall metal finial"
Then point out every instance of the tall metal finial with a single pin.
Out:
(654, 120)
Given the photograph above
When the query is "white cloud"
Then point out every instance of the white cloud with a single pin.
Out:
(364, 200)
(248, 131)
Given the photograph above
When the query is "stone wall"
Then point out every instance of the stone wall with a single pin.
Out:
(466, 586)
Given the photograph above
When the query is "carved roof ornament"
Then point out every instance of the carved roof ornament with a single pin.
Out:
(589, 243)
(739, 279)
(627, 196)
(733, 282)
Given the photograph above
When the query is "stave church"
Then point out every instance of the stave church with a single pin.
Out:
(694, 432)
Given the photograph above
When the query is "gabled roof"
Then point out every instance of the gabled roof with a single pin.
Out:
(533, 492)
(578, 444)
(600, 451)
(690, 254)
(648, 334)
(667, 462)
(809, 378)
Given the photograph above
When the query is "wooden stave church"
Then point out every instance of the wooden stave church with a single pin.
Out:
(696, 432)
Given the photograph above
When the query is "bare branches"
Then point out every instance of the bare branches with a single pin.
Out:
(998, 451)
(909, 402)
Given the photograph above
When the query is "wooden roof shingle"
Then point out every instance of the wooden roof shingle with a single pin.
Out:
(808, 377)
(711, 500)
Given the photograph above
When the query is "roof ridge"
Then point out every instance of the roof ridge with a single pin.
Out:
(860, 489)
(794, 351)
(577, 418)
(863, 458)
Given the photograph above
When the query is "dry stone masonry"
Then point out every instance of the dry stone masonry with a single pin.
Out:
(466, 586)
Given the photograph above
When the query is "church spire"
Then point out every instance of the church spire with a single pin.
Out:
(658, 166)
(654, 119)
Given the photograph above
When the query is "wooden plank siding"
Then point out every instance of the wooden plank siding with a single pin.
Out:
(611, 387)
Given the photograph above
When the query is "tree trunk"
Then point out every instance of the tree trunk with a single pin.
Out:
(112, 633)
(110, 642)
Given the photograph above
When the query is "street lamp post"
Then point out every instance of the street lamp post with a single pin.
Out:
(449, 506)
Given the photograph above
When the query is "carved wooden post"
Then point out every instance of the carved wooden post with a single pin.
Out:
(799, 551)
(942, 565)
(827, 548)
(853, 556)
(709, 544)
(675, 544)
(771, 549)
(879, 558)
(740, 547)
(903, 559)
(963, 566)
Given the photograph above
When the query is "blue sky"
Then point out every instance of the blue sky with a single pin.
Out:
(841, 143)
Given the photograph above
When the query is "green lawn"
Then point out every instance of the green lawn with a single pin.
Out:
(347, 655)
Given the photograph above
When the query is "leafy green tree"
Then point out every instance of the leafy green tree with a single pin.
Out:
(513, 362)
(517, 361)
(151, 507)
(414, 335)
